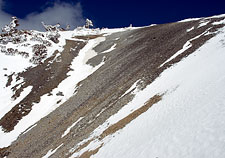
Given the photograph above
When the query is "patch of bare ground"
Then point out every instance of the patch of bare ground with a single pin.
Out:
(4, 152)
(83, 145)
(89, 153)
(122, 123)
(43, 78)
(10, 78)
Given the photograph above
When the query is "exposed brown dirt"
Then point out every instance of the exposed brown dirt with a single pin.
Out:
(4, 152)
(87, 154)
(122, 123)
(83, 145)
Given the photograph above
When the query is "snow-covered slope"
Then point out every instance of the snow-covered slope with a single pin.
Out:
(155, 91)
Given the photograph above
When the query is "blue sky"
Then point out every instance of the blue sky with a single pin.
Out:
(106, 13)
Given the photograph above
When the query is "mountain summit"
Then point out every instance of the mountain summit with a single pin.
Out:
(154, 91)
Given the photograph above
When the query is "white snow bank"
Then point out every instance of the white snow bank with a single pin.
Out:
(203, 23)
(110, 49)
(216, 16)
(50, 152)
(186, 46)
(190, 19)
(69, 128)
(219, 22)
(192, 28)
(205, 18)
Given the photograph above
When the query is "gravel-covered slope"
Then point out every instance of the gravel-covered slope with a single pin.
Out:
(130, 57)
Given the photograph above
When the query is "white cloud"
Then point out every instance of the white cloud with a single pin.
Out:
(4, 17)
(60, 12)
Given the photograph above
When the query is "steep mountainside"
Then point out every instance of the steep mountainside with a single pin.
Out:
(154, 91)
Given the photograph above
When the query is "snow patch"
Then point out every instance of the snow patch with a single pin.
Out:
(216, 16)
(219, 22)
(110, 49)
(192, 28)
(29, 128)
(186, 46)
(69, 128)
(132, 89)
(203, 23)
(190, 19)
(51, 152)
